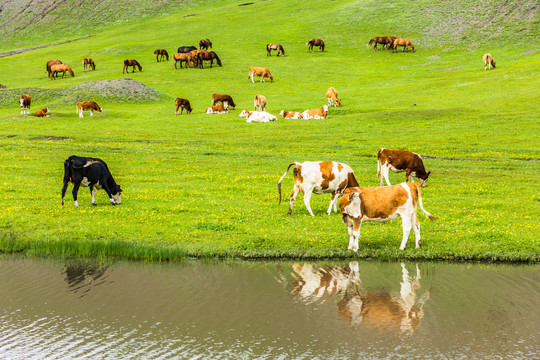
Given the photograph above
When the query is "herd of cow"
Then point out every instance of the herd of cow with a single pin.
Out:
(358, 204)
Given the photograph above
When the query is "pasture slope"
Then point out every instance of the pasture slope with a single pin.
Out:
(205, 185)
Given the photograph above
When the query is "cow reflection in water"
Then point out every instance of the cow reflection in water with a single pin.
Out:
(82, 277)
(381, 308)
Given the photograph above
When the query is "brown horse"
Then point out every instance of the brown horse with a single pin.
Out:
(88, 63)
(277, 47)
(55, 69)
(401, 42)
(184, 57)
(207, 56)
(205, 44)
(133, 63)
(384, 40)
(488, 61)
(51, 63)
(160, 53)
(315, 42)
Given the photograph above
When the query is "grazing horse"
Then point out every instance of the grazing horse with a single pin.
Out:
(88, 63)
(187, 57)
(384, 40)
(277, 47)
(55, 69)
(205, 44)
(488, 61)
(315, 42)
(133, 63)
(160, 53)
(207, 56)
(51, 63)
(401, 42)
(186, 49)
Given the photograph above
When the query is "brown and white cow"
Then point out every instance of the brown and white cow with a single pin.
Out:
(221, 98)
(218, 109)
(319, 177)
(42, 113)
(259, 102)
(184, 104)
(316, 113)
(88, 105)
(488, 61)
(291, 114)
(260, 71)
(399, 161)
(382, 204)
(25, 102)
(331, 95)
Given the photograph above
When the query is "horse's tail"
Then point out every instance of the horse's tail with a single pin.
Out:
(370, 42)
(282, 50)
(308, 43)
(267, 47)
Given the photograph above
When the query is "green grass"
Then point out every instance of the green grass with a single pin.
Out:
(205, 185)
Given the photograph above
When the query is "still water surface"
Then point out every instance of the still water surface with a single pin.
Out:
(267, 310)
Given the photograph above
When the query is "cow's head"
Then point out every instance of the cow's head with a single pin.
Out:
(115, 193)
(100, 110)
(338, 102)
(244, 114)
(423, 180)
(282, 113)
(271, 78)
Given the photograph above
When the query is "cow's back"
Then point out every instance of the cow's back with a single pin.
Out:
(383, 201)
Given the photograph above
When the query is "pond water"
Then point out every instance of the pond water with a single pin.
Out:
(86, 309)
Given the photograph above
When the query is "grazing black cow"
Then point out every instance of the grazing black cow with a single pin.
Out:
(91, 172)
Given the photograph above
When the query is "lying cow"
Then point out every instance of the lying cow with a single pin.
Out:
(316, 113)
(259, 102)
(331, 95)
(42, 113)
(184, 104)
(260, 71)
(291, 114)
(88, 105)
(488, 61)
(399, 161)
(257, 116)
(382, 204)
(90, 172)
(319, 177)
(216, 98)
(25, 102)
(218, 109)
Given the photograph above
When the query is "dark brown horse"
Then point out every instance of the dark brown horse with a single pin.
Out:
(384, 40)
(205, 44)
(133, 63)
(277, 47)
(186, 49)
(160, 53)
(401, 42)
(88, 63)
(51, 63)
(315, 42)
(207, 56)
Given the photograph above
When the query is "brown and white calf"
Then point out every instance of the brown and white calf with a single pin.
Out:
(319, 177)
(331, 95)
(488, 61)
(260, 71)
(218, 109)
(399, 161)
(88, 105)
(259, 102)
(184, 104)
(25, 102)
(291, 114)
(382, 204)
(316, 113)
(42, 113)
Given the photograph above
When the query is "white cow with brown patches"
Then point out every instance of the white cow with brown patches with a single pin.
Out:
(257, 116)
(316, 113)
(290, 114)
(382, 204)
(399, 161)
(319, 177)
(331, 95)
(218, 109)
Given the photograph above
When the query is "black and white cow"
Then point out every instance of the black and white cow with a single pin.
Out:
(91, 172)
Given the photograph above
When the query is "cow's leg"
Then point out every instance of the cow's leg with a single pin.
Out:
(64, 188)
(385, 171)
(81, 113)
(351, 236)
(407, 175)
(356, 233)
(307, 198)
(74, 192)
(293, 197)
(406, 222)
(333, 201)
(416, 228)
(253, 81)
(91, 112)
(93, 193)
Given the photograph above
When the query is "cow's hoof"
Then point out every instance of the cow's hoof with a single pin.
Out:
(94, 204)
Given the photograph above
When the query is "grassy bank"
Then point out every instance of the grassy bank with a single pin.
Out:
(205, 185)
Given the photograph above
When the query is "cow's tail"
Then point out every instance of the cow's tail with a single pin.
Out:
(378, 169)
(279, 182)
(419, 192)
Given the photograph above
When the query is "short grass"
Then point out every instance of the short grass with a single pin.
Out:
(206, 185)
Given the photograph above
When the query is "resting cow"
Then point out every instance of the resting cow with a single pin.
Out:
(25, 102)
(218, 109)
(257, 116)
(42, 113)
(90, 172)
(319, 177)
(88, 105)
(316, 113)
(291, 114)
(399, 161)
(260, 71)
(382, 204)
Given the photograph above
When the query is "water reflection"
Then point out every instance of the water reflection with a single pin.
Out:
(357, 305)
(82, 275)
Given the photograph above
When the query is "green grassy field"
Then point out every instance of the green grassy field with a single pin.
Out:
(206, 185)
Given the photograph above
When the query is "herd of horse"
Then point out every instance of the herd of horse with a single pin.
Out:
(391, 42)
